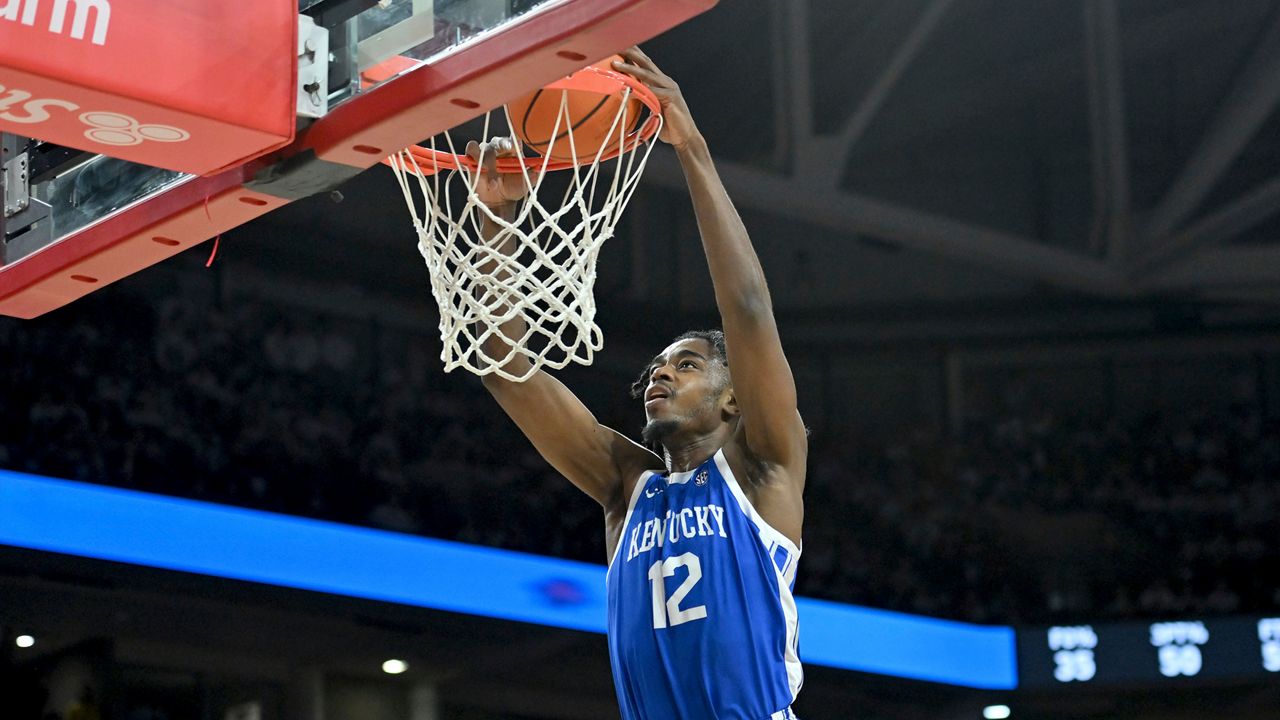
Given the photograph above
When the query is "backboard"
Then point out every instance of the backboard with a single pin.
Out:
(135, 133)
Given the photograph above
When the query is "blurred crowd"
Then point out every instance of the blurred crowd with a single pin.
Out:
(1023, 518)
(292, 413)
(1030, 519)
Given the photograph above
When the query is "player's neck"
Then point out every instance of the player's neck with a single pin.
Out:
(685, 454)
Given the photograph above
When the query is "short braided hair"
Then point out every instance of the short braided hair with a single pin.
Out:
(714, 338)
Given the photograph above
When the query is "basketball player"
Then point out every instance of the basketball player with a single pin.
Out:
(703, 542)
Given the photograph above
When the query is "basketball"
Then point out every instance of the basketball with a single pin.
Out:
(589, 115)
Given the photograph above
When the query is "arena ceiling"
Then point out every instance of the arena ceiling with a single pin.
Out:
(915, 157)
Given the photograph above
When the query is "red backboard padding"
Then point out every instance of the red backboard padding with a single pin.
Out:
(187, 85)
(402, 111)
(129, 241)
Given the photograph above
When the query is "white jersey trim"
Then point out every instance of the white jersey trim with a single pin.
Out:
(772, 540)
(680, 478)
(626, 520)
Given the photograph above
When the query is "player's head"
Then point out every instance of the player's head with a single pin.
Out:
(687, 388)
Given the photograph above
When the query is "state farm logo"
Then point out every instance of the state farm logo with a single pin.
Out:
(111, 128)
(25, 11)
(104, 128)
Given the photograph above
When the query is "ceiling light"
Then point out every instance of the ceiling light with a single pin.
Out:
(394, 667)
(995, 712)
(24, 641)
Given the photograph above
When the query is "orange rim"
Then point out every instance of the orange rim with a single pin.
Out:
(591, 79)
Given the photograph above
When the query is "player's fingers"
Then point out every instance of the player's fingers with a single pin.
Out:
(513, 187)
(648, 77)
(488, 159)
(636, 56)
(503, 146)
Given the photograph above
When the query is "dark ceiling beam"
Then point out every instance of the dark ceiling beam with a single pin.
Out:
(804, 200)
(793, 93)
(937, 113)
(1264, 296)
(782, 78)
(981, 325)
(1232, 220)
(1236, 268)
(856, 126)
(1107, 128)
(1252, 99)
(825, 156)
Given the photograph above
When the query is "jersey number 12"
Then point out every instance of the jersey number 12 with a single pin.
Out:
(666, 610)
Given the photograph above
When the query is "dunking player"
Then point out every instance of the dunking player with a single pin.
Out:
(703, 542)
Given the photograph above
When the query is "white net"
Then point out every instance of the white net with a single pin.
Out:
(489, 272)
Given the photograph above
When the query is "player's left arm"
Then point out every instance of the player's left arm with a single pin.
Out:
(764, 387)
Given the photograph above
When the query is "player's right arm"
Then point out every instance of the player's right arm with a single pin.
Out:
(599, 460)
(602, 462)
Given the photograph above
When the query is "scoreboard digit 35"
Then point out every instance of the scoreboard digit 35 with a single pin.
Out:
(1163, 652)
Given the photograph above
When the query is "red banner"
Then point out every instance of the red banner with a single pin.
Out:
(187, 85)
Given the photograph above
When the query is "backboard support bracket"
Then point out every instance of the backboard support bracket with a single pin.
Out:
(301, 176)
(313, 68)
(25, 223)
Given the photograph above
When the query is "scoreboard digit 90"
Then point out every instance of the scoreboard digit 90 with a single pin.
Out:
(1175, 651)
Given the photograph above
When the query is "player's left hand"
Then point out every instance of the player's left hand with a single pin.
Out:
(678, 127)
(495, 189)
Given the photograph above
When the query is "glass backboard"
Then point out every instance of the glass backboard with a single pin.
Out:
(400, 35)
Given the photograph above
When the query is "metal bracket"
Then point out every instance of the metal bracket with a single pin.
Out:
(313, 68)
(301, 175)
(25, 224)
(14, 178)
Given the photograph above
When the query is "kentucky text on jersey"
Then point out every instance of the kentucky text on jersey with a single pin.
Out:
(677, 525)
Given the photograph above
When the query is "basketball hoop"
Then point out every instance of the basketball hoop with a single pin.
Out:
(539, 266)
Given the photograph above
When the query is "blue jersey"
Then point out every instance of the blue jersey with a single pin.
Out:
(702, 623)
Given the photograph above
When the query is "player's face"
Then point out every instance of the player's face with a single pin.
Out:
(684, 383)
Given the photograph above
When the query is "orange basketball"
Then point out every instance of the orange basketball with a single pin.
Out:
(591, 116)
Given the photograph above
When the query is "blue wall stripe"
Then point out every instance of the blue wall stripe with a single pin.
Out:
(175, 534)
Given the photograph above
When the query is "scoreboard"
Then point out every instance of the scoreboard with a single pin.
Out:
(1176, 651)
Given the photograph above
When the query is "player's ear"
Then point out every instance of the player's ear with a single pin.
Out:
(729, 403)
